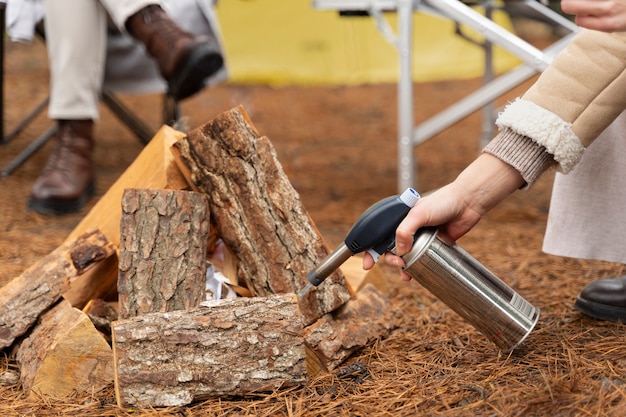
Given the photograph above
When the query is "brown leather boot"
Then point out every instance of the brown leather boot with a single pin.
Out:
(185, 62)
(68, 179)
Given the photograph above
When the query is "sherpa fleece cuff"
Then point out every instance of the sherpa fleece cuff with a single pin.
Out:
(546, 129)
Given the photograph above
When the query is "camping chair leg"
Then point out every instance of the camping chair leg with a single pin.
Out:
(139, 128)
(26, 121)
(29, 151)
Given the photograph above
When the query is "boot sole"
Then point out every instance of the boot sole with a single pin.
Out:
(190, 78)
(600, 311)
(60, 207)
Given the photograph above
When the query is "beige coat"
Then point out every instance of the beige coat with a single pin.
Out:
(569, 106)
(575, 99)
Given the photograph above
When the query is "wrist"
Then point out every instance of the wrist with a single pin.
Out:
(522, 153)
(486, 182)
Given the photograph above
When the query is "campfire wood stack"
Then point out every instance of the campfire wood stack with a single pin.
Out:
(184, 194)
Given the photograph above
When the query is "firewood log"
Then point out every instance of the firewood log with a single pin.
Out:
(38, 288)
(163, 250)
(231, 347)
(257, 212)
(102, 314)
(153, 168)
(363, 319)
(64, 354)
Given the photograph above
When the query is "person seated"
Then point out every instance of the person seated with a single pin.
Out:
(76, 36)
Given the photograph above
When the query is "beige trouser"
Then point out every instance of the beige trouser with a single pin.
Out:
(587, 218)
(76, 35)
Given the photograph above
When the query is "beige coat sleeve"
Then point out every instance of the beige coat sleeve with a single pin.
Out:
(574, 99)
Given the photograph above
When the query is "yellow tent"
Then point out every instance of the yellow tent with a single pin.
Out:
(290, 42)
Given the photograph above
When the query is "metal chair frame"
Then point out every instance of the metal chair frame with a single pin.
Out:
(143, 132)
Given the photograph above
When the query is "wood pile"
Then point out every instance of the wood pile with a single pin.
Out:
(124, 299)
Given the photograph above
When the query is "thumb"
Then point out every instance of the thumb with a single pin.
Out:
(406, 231)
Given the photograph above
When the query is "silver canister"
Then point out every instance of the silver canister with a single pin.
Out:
(470, 289)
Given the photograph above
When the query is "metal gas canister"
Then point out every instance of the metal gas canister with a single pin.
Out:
(470, 289)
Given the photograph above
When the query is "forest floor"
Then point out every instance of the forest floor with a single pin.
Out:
(338, 147)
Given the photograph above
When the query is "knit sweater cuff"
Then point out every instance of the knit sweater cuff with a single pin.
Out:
(522, 153)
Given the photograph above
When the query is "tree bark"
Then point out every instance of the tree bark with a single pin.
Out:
(64, 354)
(363, 319)
(24, 298)
(154, 168)
(257, 212)
(163, 249)
(222, 348)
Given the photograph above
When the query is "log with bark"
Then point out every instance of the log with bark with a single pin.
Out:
(363, 319)
(38, 288)
(163, 249)
(221, 348)
(64, 354)
(153, 168)
(257, 212)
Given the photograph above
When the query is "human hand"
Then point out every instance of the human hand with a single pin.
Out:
(447, 208)
(602, 15)
(457, 207)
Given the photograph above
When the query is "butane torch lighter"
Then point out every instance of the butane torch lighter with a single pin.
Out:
(374, 232)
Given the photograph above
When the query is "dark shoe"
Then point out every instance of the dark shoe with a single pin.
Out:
(67, 181)
(185, 62)
(604, 299)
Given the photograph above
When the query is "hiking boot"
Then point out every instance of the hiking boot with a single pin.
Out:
(184, 61)
(68, 179)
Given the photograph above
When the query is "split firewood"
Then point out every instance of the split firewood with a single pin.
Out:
(25, 297)
(357, 278)
(222, 348)
(153, 168)
(64, 354)
(163, 248)
(363, 319)
(257, 212)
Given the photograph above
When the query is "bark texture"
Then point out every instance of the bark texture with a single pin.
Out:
(222, 348)
(39, 287)
(154, 168)
(257, 212)
(163, 249)
(363, 319)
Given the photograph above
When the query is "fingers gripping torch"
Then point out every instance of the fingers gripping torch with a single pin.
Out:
(440, 266)
(374, 232)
